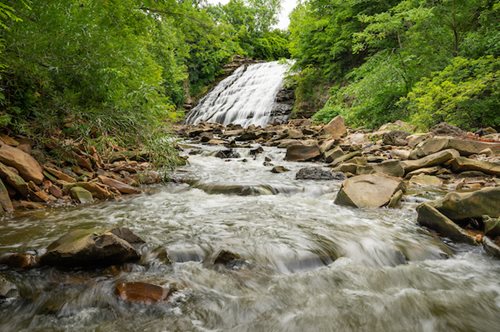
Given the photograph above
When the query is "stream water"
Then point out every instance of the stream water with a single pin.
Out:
(310, 265)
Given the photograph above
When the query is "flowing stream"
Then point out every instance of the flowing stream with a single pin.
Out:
(310, 265)
(246, 97)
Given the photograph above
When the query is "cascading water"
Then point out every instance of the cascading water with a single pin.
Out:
(246, 97)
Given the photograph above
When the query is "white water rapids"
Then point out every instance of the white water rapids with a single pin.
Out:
(246, 97)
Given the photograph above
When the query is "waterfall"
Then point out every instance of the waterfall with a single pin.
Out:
(246, 97)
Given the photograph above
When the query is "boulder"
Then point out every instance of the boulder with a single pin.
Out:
(461, 164)
(430, 217)
(434, 159)
(327, 145)
(345, 157)
(299, 152)
(388, 167)
(27, 166)
(5, 202)
(426, 180)
(460, 206)
(228, 259)
(279, 169)
(445, 129)
(7, 289)
(141, 292)
(465, 147)
(318, 173)
(227, 154)
(118, 185)
(368, 191)
(335, 128)
(85, 248)
(395, 137)
(14, 180)
(19, 260)
(81, 195)
(333, 154)
(492, 247)
(126, 234)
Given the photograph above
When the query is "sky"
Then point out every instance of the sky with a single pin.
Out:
(286, 8)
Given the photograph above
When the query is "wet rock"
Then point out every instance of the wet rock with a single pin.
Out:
(491, 226)
(368, 191)
(434, 159)
(492, 247)
(445, 129)
(118, 185)
(460, 164)
(227, 154)
(426, 180)
(279, 169)
(247, 136)
(257, 150)
(81, 195)
(5, 202)
(126, 234)
(335, 128)
(395, 137)
(395, 199)
(299, 152)
(141, 292)
(460, 206)
(27, 166)
(27, 205)
(149, 177)
(14, 180)
(318, 173)
(7, 289)
(237, 189)
(19, 260)
(430, 217)
(229, 259)
(98, 190)
(85, 248)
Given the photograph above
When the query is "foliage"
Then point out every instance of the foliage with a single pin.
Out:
(116, 71)
(374, 52)
(466, 93)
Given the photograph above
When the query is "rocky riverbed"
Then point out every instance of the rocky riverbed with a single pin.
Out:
(280, 228)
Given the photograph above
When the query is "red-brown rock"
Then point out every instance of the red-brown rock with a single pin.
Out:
(27, 166)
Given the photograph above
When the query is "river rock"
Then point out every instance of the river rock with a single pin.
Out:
(228, 259)
(300, 152)
(81, 195)
(465, 147)
(460, 206)
(387, 167)
(492, 247)
(118, 185)
(461, 164)
(59, 174)
(14, 180)
(368, 191)
(445, 129)
(430, 217)
(27, 166)
(491, 226)
(434, 159)
(126, 234)
(85, 248)
(333, 154)
(227, 154)
(345, 158)
(395, 137)
(327, 145)
(7, 289)
(279, 169)
(318, 173)
(19, 260)
(426, 180)
(5, 202)
(335, 128)
(141, 292)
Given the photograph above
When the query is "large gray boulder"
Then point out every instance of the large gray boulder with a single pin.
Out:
(368, 191)
(318, 173)
(84, 248)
